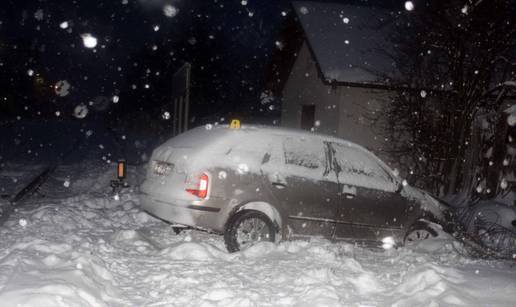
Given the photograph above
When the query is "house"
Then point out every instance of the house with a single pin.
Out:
(332, 84)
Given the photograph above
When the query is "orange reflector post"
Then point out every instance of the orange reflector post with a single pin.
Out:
(121, 169)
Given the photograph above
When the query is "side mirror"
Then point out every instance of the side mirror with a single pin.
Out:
(400, 186)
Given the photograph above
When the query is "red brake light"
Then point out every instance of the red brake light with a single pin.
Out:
(201, 188)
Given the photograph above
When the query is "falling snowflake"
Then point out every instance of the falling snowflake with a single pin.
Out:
(208, 126)
(62, 88)
(39, 15)
(242, 168)
(80, 111)
(504, 184)
(64, 25)
(170, 11)
(409, 5)
(30, 72)
(303, 10)
(244, 2)
(116, 99)
(345, 20)
(22, 222)
(89, 40)
(156, 28)
(423, 93)
(464, 10)
(223, 175)
(66, 184)
(511, 120)
(165, 115)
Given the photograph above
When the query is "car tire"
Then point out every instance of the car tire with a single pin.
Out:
(419, 231)
(235, 232)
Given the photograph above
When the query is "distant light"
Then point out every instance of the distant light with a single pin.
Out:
(409, 5)
(170, 11)
(63, 25)
(89, 40)
(388, 242)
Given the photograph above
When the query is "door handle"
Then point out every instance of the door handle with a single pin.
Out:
(279, 185)
(350, 195)
(349, 191)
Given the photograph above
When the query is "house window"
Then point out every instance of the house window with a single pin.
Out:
(307, 117)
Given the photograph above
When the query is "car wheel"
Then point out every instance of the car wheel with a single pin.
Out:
(247, 228)
(418, 232)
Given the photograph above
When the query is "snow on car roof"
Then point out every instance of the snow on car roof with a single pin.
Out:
(209, 139)
(348, 41)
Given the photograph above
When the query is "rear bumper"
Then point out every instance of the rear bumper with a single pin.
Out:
(185, 213)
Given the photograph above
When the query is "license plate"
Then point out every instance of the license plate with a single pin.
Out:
(162, 168)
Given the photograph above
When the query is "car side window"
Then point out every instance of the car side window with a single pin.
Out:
(355, 166)
(305, 155)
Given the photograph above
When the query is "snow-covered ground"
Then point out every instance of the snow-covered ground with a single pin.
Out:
(81, 246)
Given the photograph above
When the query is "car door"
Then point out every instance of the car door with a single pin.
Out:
(368, 195)
(303, 188)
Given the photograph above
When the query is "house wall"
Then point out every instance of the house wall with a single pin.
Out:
(351, 113)
(304, 87)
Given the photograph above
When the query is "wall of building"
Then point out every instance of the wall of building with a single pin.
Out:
(351, 113)
(304, 87)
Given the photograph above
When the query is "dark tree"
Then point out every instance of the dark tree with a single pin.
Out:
(449, 54)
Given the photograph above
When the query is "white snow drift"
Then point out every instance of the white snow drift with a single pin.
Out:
(81, 247)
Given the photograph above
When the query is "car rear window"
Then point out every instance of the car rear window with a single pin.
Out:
(305, 153)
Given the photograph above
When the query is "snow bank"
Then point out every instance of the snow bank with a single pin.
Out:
(93, 250)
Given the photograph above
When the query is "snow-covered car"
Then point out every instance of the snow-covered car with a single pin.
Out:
(262, 183)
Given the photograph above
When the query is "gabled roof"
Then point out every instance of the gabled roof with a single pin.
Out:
(349, 42)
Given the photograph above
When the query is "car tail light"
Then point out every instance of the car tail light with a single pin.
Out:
(198, 185)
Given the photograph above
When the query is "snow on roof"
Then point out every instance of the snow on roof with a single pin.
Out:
(348, 41)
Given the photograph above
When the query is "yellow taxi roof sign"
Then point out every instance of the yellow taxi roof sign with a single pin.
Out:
(235, 124)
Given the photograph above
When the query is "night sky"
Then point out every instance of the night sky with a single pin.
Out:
(138, 47)
(229, 43)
